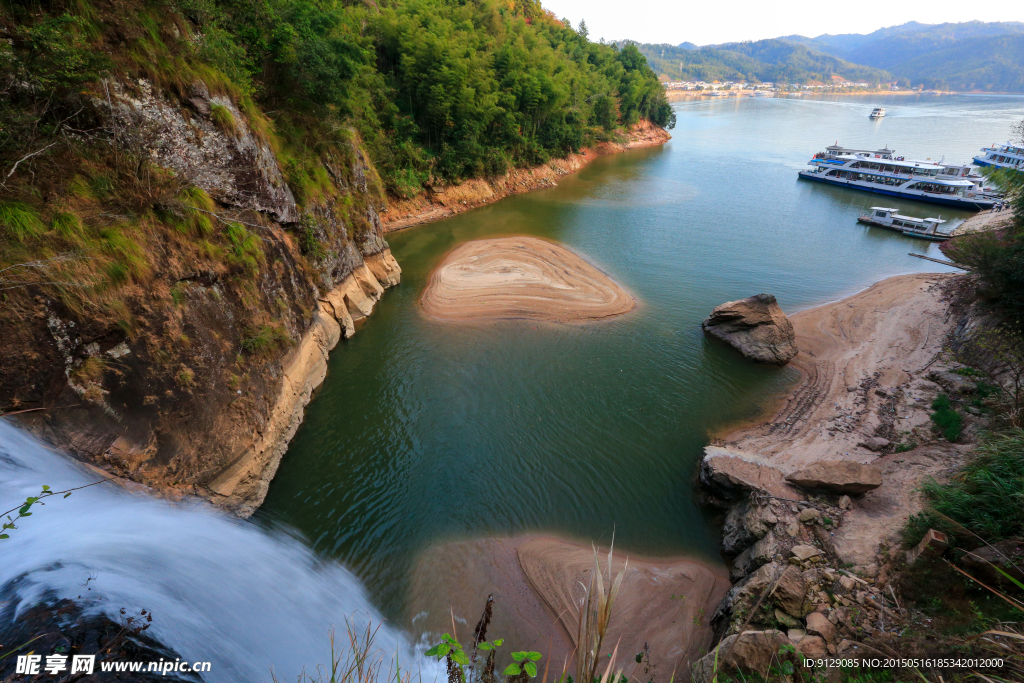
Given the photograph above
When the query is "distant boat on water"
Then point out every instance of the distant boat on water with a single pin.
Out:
(1002, 156)
(877, 113)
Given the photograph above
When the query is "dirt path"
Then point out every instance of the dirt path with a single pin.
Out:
(864, 362)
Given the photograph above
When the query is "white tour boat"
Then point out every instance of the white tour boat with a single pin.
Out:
(877, 113)
(881, 172)
(923, 228)
(1002, 156)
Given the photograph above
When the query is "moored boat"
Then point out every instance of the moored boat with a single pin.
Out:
(1002, 156)
(888, 218)
(877, 113)
(881, 172)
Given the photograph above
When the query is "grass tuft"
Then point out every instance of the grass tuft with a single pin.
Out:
(223, 119)
(20, 221)
(948, 421)
(69, 226)
(265, 339)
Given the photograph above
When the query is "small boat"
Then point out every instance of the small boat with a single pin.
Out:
(877, 113)
(922, 228)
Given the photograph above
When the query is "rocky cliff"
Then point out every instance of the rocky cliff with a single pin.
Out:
(183, 360)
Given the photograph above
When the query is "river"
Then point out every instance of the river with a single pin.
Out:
(426, 431)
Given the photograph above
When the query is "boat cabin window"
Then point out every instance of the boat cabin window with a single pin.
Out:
(880, 214)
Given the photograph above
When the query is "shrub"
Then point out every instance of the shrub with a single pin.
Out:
(946, 418)
(986, 497)
(265, 339)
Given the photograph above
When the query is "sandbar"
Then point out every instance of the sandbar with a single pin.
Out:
(521, 277)
(537, 582)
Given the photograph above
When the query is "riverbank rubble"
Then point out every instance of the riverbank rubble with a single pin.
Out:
(816, 496)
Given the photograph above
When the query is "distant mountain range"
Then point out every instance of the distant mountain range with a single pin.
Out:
(966, 56)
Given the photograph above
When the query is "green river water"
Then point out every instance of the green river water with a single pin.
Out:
(426, 431)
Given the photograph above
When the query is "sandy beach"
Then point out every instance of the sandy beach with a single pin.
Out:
(863, 362)
(521, 277)
(666, 603)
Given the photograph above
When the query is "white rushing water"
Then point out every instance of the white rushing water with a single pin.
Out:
(220, 589)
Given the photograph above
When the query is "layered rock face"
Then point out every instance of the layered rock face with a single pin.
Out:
(756, 327)
(198, 389)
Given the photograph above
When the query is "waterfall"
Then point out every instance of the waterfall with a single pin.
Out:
(220, 589)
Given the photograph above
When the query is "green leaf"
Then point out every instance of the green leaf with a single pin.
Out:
(512, 670)
(531, 669)
(3, 536)
(498, 642)
(67, 494)
(534, 656)
(449, 639)
(45, 487)
(439, 650)
(484, 645)
(519, 656)
(459, 657)
(26, 514)
(24, 509)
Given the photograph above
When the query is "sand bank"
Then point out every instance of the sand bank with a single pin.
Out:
(883, 339)
(664, 602)
(521, 277)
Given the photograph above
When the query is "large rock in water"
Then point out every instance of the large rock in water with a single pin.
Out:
(756, 327)
(838, 476)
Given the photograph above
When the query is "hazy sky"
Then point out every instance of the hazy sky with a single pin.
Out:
(720, 21)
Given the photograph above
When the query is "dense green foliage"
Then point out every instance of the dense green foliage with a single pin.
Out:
(967, 56)
(436, 88)
(774, 61)
(985, 498)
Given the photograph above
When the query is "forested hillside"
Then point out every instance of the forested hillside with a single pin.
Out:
(967, 56)
(775, 61)
(436, 88)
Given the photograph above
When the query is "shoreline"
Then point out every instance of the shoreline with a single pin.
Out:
(863, 368)
(682, 95)
(439, 202)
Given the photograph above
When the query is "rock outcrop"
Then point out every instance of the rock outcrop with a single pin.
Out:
(747, 651)
(731, 475)
(756, 327)
(838, 476)
(197, 383)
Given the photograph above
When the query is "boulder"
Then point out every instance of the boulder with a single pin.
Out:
(818, 624)
(750, 651)
(838, 476)
(874, 443)
(804, 552)
(756, 327)
(791, 593)
(812, 647)
(1007, 555)
(809, 516)
(951, 381)
(732, 475)
(744, 525)
(845, 503)
(757, 555)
